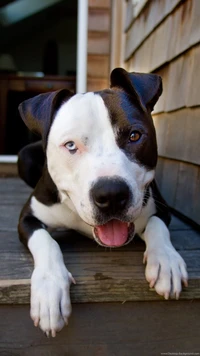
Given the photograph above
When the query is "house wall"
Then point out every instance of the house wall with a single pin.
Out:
(99, 17)
(164, 38)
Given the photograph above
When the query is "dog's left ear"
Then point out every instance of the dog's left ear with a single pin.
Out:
(38, 112)
(144, 88)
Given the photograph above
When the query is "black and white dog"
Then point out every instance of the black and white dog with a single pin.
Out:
(94, 173)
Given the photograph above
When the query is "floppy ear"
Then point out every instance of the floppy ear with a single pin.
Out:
(38, 112)
(144, 88)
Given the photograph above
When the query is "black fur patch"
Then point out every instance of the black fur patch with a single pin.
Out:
(126, 117)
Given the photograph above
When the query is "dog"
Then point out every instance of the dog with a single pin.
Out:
(94, 172)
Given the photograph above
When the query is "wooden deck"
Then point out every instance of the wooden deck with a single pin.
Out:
(102, 275)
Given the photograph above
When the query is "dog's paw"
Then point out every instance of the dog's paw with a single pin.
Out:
(50, 299)
(165, 271)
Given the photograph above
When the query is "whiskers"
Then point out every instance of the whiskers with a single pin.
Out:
(160, 205)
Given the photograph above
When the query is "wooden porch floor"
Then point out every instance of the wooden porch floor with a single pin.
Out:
(102, 275)
(123, 327)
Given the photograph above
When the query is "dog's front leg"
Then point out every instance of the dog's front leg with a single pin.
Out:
(50, 281)
(165, 268)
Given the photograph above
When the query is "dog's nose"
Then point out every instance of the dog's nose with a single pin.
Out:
(110, 194)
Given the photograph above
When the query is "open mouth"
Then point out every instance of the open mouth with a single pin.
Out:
(114, 233)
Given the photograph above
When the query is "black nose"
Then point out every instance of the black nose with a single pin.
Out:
(110, 194)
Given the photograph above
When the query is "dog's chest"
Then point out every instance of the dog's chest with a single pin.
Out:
(58, 216)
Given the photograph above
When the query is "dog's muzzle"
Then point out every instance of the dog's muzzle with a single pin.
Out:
(111, 197)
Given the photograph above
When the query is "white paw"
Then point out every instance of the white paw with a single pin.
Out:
(50, 299)
(165, 271)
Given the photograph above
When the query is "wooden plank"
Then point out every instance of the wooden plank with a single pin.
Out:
(180, 186)
(187, 191)
(141, 60)
(160, 105)
(150, 17)
(122, 329)
(181, 82)
(101, 275)
(169, 40)
(178, 225)
(161, 126)
(174, 129)
(180, 29)
(98, 42)
(192, 94)
(177, 86)
(194, 30)
(103, 279)
(8, 170)
(167, 180)
(98, 19)
(95, 84)
(98, 66)
(99, 4)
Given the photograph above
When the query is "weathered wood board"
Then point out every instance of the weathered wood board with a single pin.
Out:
(180, 185)
(98, 47)
(98, 19)
(179, 32)
(178, 134)
(98, 66)
(150, 17)
(106, 329)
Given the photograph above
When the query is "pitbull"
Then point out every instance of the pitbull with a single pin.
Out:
(94, 172)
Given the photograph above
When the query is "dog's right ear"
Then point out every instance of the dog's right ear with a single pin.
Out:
(38, 112)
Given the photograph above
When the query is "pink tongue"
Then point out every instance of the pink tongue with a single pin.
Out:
(113, 233)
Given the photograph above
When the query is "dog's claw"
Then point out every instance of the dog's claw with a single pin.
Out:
(53, 333)
(144, 258)
(36, 322)
(72, 278)
(66, 320)
(185, 282)
(152, 283)
(47, 333)
(166, 295)
(177, 295)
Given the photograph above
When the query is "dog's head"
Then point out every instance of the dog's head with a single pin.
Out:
(101, 150)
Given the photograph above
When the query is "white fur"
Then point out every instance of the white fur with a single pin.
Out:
(165, 268)
(59, 215)
(50, 284)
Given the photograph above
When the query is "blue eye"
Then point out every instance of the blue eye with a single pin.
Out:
(71, 146)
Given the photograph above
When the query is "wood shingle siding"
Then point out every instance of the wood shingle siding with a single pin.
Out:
(179, 183)
(164, 38)
(178, 134)
(177, 33)
(151, 16)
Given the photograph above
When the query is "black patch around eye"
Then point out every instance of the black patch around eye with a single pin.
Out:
(124, 115)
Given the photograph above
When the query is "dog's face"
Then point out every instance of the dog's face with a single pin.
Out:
(101, 153)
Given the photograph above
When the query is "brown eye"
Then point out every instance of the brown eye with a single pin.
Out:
(134, 136)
